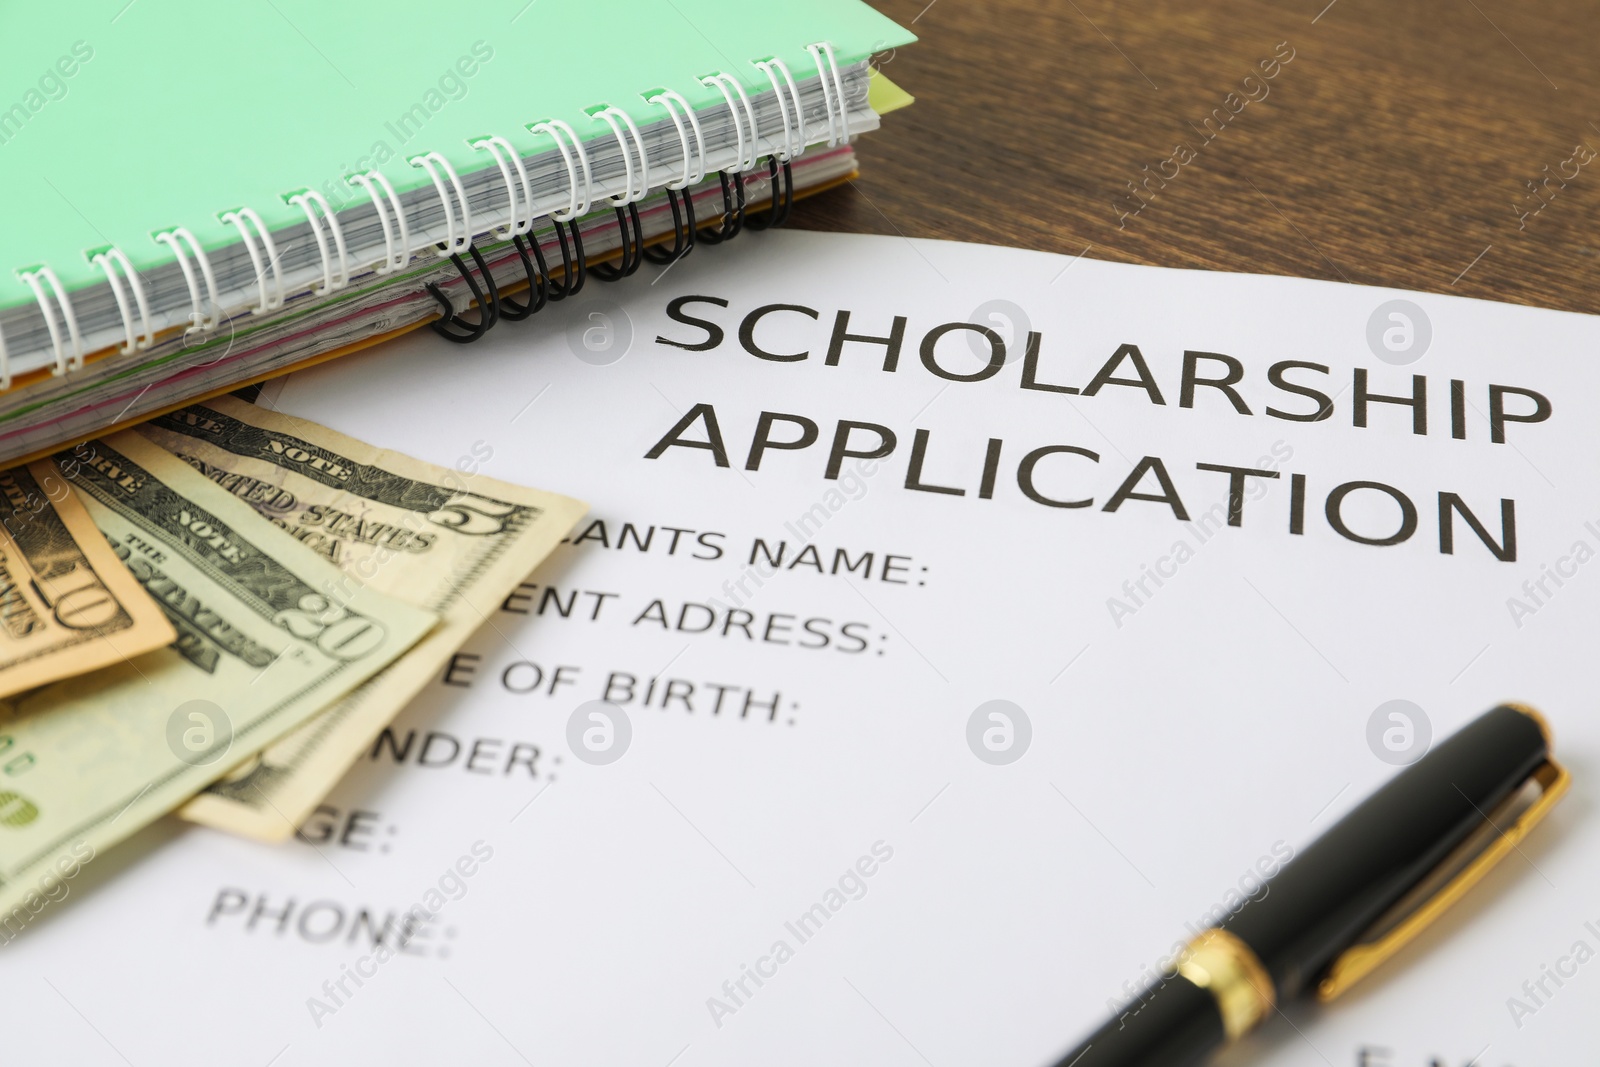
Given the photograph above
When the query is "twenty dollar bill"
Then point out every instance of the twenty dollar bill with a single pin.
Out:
(67, 604)
(452, 542)
(267, 637)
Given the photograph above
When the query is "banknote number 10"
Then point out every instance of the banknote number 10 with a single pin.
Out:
(78, 600)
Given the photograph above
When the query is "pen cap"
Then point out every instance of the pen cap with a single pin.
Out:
(1327, 898)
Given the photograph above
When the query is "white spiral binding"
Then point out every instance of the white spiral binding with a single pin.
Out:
(692, 172)
(557, 131)
(453, 245)
(371, 181)
(833, 98)
(794, 139)
(109, 261)
(198, 319)
(238, 219)
(721, 82)
(189, 253)
(330, 281)
(628, 194)
(64, 362)
(520, 223)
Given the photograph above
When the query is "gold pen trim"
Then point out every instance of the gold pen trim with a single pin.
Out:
(1230, 971)
(1359, 960)
(1539, 720)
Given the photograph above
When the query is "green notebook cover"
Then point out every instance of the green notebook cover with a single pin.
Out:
(122, 119)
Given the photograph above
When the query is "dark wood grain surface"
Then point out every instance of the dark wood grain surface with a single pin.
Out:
(1399, 145)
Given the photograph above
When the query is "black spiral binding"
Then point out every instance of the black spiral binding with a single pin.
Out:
(780, 210)
(733, 204)
(542, 284)
(572, 278)
(538, 282)
(734, 219)
(488, 309)
(633, 250)
(683, 229)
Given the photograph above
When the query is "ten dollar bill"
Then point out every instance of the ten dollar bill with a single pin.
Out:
(67, 604)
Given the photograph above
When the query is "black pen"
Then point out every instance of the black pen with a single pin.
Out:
(1350, 900)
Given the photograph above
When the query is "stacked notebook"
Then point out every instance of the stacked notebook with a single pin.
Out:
(202, 197)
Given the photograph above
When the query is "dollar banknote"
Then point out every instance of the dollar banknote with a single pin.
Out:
(67, 603)
(451, 541)
(268, 634)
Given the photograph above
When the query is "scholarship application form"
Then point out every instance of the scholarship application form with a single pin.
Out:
(956, 630)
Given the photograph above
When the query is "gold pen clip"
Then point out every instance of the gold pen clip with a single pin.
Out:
(1460, 871)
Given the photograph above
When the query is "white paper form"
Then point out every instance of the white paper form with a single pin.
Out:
(922, 758)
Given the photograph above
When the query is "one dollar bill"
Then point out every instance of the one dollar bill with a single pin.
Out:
(67, 604)
(268, 635)
(453, 542)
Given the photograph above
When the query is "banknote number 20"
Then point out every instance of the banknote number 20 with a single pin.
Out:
(335, 631)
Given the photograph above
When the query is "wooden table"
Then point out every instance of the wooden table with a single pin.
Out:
(1396, 147)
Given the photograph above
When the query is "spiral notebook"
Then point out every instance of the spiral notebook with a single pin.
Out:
(202, 196)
